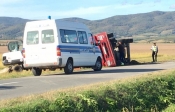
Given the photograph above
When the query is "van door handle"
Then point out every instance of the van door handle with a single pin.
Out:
(90, 47)
(43, 47)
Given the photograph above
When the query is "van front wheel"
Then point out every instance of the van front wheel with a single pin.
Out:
(98, 65)
(68, 69)
(36, 71)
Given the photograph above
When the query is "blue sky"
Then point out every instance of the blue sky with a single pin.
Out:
(87, 9)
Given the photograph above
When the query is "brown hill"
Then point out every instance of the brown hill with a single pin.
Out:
(153, 23)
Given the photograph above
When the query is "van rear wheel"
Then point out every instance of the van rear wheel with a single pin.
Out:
(36, 71)
(98, 65)
(68, 69)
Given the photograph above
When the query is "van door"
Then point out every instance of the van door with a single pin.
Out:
(41, 48)
(48, 47)
(85, 49)
(93, 49)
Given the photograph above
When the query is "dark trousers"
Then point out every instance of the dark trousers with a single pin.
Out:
(122, 57)
(154, 56)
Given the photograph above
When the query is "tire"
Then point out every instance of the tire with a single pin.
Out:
(36, 71)
(68, 69)
(18, 68)
(98, 65)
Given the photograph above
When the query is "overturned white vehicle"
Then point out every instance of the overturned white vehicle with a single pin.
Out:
(13, 59)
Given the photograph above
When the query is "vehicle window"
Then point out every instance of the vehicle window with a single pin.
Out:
(92, 41)
(32, 37)
(47, 36)
(68, 36)
(82, 37)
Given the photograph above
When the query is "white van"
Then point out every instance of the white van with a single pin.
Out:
(51, 44)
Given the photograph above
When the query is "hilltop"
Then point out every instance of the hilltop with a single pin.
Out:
(155, 23)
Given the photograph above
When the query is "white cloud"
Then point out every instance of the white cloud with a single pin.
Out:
(4, 2)
(100, 12)
(41, 11)
(128, 6)
(84, 11)
(139, 3)
(157, 1)
(106, 11)
(172, 6)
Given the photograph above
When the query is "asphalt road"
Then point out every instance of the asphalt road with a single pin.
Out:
(12, 88)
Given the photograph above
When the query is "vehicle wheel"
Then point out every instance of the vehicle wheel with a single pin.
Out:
(36, 71)
(68, 69)
(98, 65)
(18, 68)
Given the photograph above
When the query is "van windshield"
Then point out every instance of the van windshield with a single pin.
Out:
(32, 37)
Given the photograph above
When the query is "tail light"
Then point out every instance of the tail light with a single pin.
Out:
(4, 58)
(23, 53)
(58, 51)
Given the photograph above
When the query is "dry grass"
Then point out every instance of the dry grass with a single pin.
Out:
(3, 49)
(1, 65)
(164, 48)
(15, 74)
(141, 52)
(26, 73)
(29, 73)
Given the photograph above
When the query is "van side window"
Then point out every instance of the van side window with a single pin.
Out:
(47, 36)
(32, 37)
(82, 37)
(68, 36)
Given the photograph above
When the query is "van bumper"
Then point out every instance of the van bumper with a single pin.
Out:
(45, 65)
(12, 62)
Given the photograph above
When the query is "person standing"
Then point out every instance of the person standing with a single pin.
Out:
(122, 52)
(154, 49)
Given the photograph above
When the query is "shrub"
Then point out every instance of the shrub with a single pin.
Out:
(154, 94)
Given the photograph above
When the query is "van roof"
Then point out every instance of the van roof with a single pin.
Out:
(65, 23)
(60, 23)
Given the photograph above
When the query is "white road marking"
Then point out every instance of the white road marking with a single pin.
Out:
(8, 83)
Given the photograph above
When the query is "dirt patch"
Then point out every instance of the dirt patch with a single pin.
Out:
(4, 70)
(164, 48)
(3, 49)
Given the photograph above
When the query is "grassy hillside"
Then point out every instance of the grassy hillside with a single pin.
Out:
(151, 24)
(11, 27)
(159, 23)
